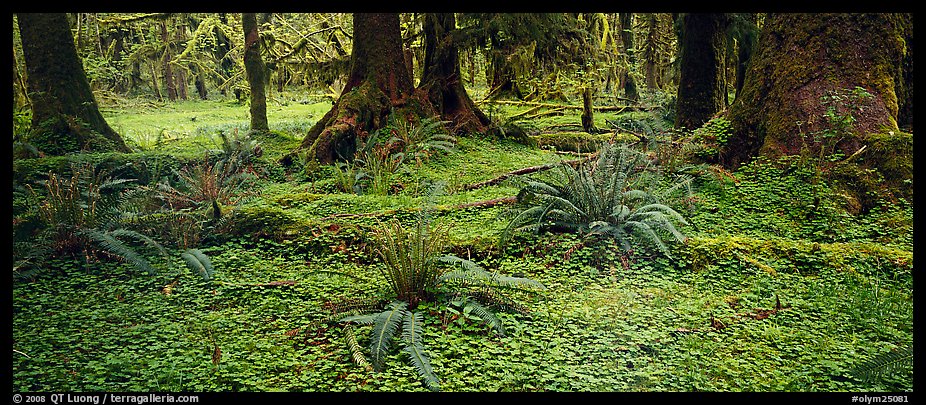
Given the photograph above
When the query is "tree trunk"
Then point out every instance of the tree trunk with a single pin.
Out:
(904, 87)
(167, 69)
(256, 72)
(702, 83)
(803, 58)
(65, 116)
(441, 79)
(588, 113)
(502, 82)
(630, 84)
(650, 51)
(379, 84)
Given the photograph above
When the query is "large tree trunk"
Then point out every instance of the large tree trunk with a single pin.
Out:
(65, 116)
(441, 78)
(702, 85)
(256, 72)
(801, 58)
(650, 50)
(168, 71)
(630, 84)
(379, 84)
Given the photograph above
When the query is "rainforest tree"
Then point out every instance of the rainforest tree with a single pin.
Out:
(256, 72)
(378, 85)
(794, 94)
(441, 79)
(702, 86)
(65, 116)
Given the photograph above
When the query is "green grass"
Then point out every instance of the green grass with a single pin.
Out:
(844, 282)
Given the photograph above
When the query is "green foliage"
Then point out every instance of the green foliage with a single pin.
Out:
(711, 138)
(197, 261)
(84, 215)
(885, 363)
(615, 198)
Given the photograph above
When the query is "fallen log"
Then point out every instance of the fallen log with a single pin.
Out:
(527, 170)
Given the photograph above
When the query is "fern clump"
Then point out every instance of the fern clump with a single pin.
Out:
(416, 271)
(618, 197)
(84, 216)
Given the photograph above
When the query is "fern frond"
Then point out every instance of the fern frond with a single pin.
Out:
(485, 314)
(197, 261)
(385, 325)
(365, 319)
(356, 353)
(885, 363)
(422, 363)
(108, 243)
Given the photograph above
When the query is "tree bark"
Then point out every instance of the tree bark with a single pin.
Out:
(649, 53)
(702, 84)
(256, 73)
(630, 84)
(379, 84)
(168, 71)
(801, 58)
(441, 79)
(65, 115)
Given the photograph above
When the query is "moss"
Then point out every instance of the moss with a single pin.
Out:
(803, 56)
(783, 255)
(579, 141)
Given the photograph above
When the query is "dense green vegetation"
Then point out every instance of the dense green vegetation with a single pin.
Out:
(768, 293)
(463, 202)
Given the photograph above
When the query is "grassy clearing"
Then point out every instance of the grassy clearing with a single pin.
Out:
(708, 321)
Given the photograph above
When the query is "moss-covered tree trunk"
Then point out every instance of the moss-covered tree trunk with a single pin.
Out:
(379, 84)
(702, 83)
(650, 50)
(904, 84)
(502, 83)
(65, 115)
(802, 59)
(630, 84)
(441, 79)
(254, 66)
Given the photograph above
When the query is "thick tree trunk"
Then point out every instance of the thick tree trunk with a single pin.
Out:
(630, 84)
(441, 79)
(801, 59)
(649, 53)
(168, 71)
(65, 116)
(502, 82)
(904, 83)
(256, 72)
(702, 85)
(379, 84)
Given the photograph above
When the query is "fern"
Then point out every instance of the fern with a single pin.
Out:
(197, 261)
(356, 353)
(885, 363)
(108, 242)
(485, 314)
(385, 324)
(616, 197)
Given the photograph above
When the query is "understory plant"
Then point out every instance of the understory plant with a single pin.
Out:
(386, 151)
(416, 271)
(83, 216)
(618, 197)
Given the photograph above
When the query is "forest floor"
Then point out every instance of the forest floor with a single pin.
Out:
(777, 288)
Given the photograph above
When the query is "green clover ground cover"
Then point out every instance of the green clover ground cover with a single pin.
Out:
(768, 294)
